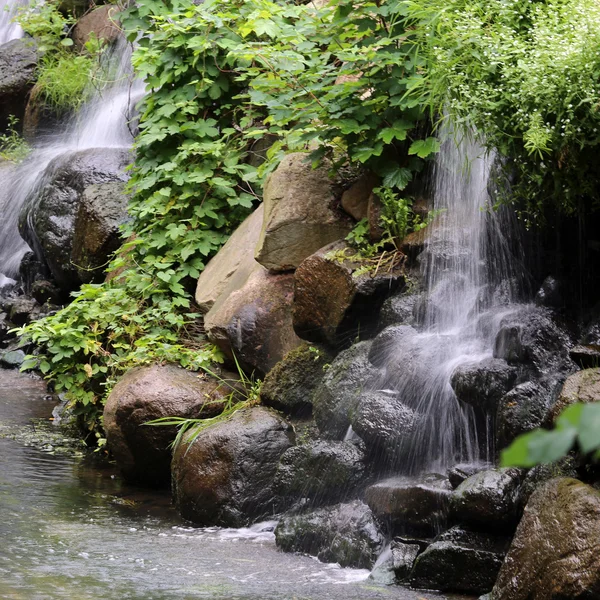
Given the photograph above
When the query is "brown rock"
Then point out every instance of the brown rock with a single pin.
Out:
(355, 200)
(102, 21)
(583, 386)
(555, 554)
(146, 393)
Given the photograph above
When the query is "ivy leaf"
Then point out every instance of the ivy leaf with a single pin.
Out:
(423, 148)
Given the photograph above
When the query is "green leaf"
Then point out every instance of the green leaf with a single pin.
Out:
(424, 148)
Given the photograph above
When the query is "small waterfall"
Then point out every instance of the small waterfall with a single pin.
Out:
(104, 121)
(8, 29)
(466, 269)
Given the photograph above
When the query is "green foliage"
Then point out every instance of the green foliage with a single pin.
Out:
(526, 76)
(577, 426)
(12, 146)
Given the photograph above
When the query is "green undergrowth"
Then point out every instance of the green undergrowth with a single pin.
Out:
(12, 145)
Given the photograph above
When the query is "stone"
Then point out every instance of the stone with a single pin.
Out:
(411, 504)
(583, 386)
(395, 563)
(586, 356)
(235, 257)
(458, 473)
(346, 534)
(333, 300)
(483, 384)
(12, 359)
(21, 310)
(254, 321)
(355, 200)
(144, 394)
(320, 471)
(387, 426)
(550, 293)
(488, 499)
(522, 409)
(337, 396)
(47, 220)
(301, 213)
(102, 21)
(541, 474)
(226, 475)
(289, 386)
(44, 291)
(414, 244)
(102, 210)
(18, 63)
(398, 310)
(555, 553)
(460, 560)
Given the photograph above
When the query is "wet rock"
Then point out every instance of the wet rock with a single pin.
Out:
(458, 473)
(102, 210)
(320, 471)
(103, 22)
(333, 300)
(532, 335)
(12, 359)
(5, 327)
(355, 200)
(386, 343)
(147, 393)
(460, 561)
(395, 563)
(30, 270)
(488, 499)
(290, 385)
(583, 386)
(398, 310)
(21, 310)
(554, 554)
(484, 383)
(550, 294)
(345, 533)
(521, 410)
(411, 504)
(337, 396)
(586, 357)
(47, 220)
(301, 214)
(254, 321)
(18, 62)
(540, 475)
(226, 475)
(233, 261)
(45, 291)
(387, 427)
(414, 243)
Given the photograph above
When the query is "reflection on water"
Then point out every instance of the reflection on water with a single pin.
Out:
(72, 529)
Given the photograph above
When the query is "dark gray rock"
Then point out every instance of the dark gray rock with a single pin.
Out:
(458, 473)
(337, 397)
(395, 563)
(225, 475)
(320, 471)
(411, 504)
(45, 291)
(550, 294)
(460, 561)
(483, 384)
(488, 499)
(345, 533)
(290, 384)
(12, 359)
(391, 338)
(47, 220)
(540, 475)
(102, 210)
(586, 357)
(398, 310)
(21, 310)
(18, 62)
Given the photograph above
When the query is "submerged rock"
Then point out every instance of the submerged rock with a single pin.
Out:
(144, 394)
(320, 471)
(419, 504)
(338, 395)
(301, 213)
(345, 533)
(225, 476)
(555, 552)
(460, 560)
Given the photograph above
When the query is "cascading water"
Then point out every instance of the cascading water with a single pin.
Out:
(102, 122)
(466, 269)
(9, 30)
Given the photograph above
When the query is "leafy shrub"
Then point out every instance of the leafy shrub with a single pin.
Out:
(12, 146)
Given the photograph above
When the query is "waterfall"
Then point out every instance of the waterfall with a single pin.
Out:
(104, 121)
(466, 269)
(8, 29)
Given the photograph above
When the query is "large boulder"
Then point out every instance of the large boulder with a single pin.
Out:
(460, 560)
(344, 533)
(18, 62)
(337, 397)
(103, 22)
(335, 297)
(583, 386)
(555, 552)
(225, 474)
(290, 384)
(102, 210)
(47, 220)
(143, 394)
(409, 504)
(254, 321)
(301, 213)
(234, 260)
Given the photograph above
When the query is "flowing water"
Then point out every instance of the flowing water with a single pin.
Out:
(9, 30)
(468, 282)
